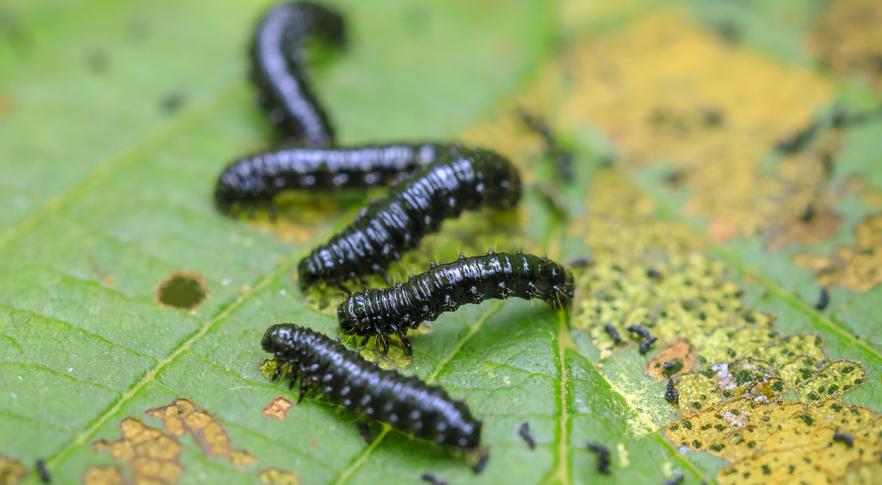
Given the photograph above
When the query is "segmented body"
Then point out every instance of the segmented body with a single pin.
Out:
(256, 179)
(423, 297)
(277, 68)
(406, 403)
(417, 206)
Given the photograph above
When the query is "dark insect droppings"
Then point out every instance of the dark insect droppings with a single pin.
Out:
(602, 453)
(671, 394)
(808, 213)
(639, 330)
(613, 333)
(345, 378)
(653, 274)
(843, 438)
(671, 367)
(823, 299)
(43, 472)
(524, 432)
(432, 479)
(579, 262)
(479, 465)
(646, 343)
(424, 297)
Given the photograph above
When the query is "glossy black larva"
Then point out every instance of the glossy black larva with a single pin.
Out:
(423, 297)
(277, 68)
(406, 403)
(256, 179)
(468, 180)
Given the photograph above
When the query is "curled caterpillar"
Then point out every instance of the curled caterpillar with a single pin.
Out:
(417, 206)
(277, 67)
(406, 403)
(258, 178)
(394, 310)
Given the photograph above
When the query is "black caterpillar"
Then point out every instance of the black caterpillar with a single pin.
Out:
(406, 403)
(469, 179)
(380, 312)
(277, 68)
(256, 179)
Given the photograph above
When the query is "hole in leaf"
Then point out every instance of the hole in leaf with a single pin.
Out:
(182, 290)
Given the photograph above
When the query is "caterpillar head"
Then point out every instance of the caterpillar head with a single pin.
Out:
(280, 339)
(502, 183)
(353, 317)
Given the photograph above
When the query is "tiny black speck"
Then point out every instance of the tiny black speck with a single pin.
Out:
(603, 459)
(524, 432)
(823, 299)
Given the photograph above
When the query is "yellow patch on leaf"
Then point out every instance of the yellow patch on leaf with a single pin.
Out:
(277, 408)
(11, 471)
(772, 442)
(182, 416)
(848, 39)
(276, 476)
(857, 267)
(666, 91)
(152, 455)
(103, 475)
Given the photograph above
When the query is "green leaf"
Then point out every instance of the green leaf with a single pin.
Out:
(115, 119)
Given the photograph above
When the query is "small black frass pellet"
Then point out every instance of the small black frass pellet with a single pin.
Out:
(479, 465)
(671, 367)
(468, 180)
(639, 330)
(345, 378)
(43, 472)
(671, 394)
(424, 297)
(524, 432)
(432, 479)
(579, 262)
(278, 68)
(823, 300)
(653, 274)
(843, 438)
(646, 343)
(256, 179)
(808, 213)
(613, 333)
(602, 453)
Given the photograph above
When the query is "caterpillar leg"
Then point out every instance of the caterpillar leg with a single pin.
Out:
(408, 348)
(303, 386)
(365, 430)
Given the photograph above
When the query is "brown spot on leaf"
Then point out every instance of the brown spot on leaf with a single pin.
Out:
(182, 416)
(857, 267)
(152, 455)
(674, 359)
(277, 408)
(11, 471)
(184, 290)
(277, 476)
(103, 475)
